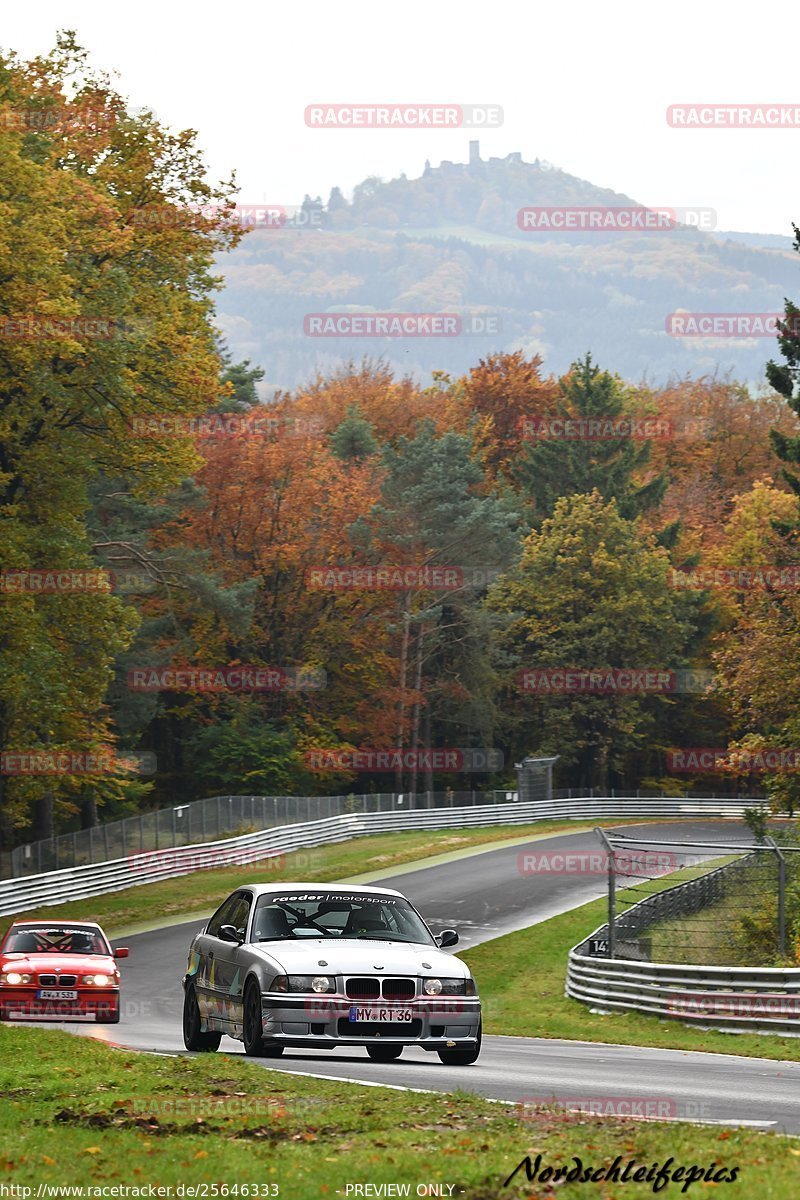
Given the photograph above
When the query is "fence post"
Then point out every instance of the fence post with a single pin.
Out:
(781, 896)
(612, 892)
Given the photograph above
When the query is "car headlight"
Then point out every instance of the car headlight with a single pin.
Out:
(14, 978)
(98, 980)
(449, 987)
(304, 983)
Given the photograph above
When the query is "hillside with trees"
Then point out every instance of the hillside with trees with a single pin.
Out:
(450, 241)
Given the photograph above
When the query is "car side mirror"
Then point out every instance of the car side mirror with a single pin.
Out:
(448, 937)
(230, 934)
(121, 952)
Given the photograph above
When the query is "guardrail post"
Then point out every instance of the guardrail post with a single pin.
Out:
(612, 892)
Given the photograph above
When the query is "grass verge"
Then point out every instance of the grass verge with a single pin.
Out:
(521, 980)
(77, 1113)
(202, 891)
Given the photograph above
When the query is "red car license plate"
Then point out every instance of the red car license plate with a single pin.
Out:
(56, 994)
(380, 1014)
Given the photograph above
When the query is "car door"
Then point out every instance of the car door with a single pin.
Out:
(229, 967)
(207, 946)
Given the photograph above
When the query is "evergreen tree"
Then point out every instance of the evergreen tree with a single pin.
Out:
(552, 467)
(354, 438)
(784, 378)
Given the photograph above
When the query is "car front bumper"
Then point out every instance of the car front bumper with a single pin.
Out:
(436, 1023)
(23, 1002)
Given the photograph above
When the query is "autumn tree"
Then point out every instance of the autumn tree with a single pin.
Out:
(106, 319)
(716, 446)
(590, 591)
(434, 511)
(503, 392)
(757, 649)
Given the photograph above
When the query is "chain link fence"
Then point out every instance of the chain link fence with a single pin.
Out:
(211, 820)
(743, 913)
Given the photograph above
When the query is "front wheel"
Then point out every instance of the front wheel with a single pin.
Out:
(252, 1026)
(109, 1015)
(193, 1036)
(384, 1053)
(462, 1057)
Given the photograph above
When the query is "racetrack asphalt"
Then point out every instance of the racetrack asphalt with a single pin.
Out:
(484, 895)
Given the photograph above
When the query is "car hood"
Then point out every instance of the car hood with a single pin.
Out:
(349, 956)
(76, 964)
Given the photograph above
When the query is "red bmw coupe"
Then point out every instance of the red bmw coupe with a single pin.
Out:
(59, 970)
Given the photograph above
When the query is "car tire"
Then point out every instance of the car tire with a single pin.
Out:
(193, 1036)
(462, 1057)
(252, 1030)
(384, 1053)
(110, 1015)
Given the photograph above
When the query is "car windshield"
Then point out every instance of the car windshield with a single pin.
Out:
(42, 939)
(349, 915)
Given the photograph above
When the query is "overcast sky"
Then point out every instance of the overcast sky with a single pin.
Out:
(584, 85)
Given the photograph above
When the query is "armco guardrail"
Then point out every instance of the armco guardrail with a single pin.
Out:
(727, 997)
(95, 879)
(733, 998)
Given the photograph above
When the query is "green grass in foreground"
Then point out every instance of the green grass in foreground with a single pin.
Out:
(76, 1112)
(202, 891)
(521, 981)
